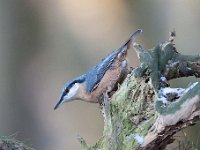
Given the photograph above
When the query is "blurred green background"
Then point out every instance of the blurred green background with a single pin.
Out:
(44, 43)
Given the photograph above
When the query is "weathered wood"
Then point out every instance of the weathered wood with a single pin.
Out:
(10, 143)
(145, 112)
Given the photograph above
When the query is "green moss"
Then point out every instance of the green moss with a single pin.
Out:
(132, 110)
(9, 143)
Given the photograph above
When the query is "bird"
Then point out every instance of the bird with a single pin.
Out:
(102, 78)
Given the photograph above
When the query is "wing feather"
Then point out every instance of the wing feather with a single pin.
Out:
(94, 76)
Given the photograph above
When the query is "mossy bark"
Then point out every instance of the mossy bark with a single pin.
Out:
(137, 117)
(9, 143)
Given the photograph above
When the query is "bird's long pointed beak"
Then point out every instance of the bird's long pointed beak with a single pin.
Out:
(60, 102)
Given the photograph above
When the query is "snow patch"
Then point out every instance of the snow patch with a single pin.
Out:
(163, 92)
(168, 90)
(137, 137)
(163, 79)
(191, 86)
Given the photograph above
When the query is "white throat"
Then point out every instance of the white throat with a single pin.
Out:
(72, 92)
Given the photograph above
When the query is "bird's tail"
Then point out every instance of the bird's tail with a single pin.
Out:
(132, 39)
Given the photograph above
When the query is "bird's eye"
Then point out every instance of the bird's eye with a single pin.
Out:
(66, 91)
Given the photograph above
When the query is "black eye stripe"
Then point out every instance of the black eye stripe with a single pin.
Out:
(66, 91)
(69, 85)
(67, 88)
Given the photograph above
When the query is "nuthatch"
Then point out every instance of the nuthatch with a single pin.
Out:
(102, 78)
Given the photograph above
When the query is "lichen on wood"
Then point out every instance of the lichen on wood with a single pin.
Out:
(10, 143)
(145, 112)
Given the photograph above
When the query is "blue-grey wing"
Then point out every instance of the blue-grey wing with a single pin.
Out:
(91, 80)
(94, 76)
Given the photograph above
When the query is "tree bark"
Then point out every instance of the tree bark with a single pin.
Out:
(9, 143)
(145, 112)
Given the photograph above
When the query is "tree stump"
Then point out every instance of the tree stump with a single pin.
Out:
(146, 112)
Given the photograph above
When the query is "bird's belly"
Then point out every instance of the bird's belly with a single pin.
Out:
(116, 74)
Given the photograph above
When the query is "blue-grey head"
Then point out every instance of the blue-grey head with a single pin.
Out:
(70, 91)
